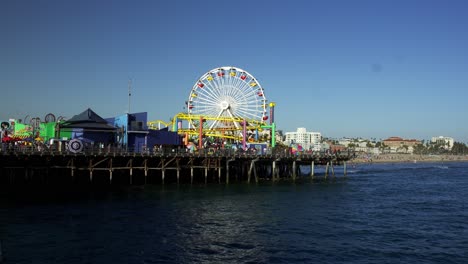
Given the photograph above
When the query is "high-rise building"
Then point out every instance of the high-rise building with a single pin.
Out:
(308, 140)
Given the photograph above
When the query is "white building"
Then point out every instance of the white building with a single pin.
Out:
(446, 141)
(308, 140)
(345, 141)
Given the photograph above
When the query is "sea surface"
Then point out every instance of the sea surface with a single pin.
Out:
(379, 213)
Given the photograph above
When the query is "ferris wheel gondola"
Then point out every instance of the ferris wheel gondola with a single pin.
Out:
(228, 95)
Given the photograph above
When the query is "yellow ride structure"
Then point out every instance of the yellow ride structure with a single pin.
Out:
(230, 131)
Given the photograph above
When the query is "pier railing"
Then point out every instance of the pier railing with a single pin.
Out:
(8, 149)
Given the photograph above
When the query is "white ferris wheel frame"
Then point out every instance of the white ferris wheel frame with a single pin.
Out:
(227, 93)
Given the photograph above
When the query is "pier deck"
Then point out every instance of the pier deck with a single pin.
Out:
(105, 166)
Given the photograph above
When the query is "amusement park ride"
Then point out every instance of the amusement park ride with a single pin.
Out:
(226, 104)
(29, 129)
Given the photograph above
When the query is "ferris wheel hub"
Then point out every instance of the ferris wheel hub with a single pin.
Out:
(224, 105)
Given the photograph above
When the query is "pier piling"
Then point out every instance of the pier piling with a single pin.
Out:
(312, 168)
(294, 170)
(332, 169)
(273, 170)
(110, 171)
(344, 168)
(252, 168)
(130, 165)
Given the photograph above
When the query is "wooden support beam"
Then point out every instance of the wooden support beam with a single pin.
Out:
(326, 169)
(190, 163)
(345, 173)
(294, 168)
(90, 168)
(219, 170)
(110, 171)
(249, 173)
(312, 169)
(191, 174)
(72, 168)
(332, 169)
(277, 170)
(227, 170)
(252, 168)
(255, 174)
(163, 171)
(273, 170)
(99, 162)
(178, 170)
(146, 170)
(130, 164)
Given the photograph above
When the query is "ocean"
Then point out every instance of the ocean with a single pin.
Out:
(379, 213)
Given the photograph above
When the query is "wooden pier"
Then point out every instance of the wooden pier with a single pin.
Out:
(105, 167)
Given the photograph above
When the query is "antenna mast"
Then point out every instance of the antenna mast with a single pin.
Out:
(129, 93)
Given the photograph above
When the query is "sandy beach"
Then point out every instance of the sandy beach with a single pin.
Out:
(389, 158)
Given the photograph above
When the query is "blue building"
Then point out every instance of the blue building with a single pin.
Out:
(133, 133)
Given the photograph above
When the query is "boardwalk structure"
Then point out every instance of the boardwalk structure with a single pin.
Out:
(115, 166)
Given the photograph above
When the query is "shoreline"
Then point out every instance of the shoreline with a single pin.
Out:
(408, 158)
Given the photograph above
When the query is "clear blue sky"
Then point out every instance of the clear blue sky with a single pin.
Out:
(371, 69)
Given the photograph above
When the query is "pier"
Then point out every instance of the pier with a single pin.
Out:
(27, 166)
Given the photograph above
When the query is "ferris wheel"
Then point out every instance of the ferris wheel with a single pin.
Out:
(224, 97)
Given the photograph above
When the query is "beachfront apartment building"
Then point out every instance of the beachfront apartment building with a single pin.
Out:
(400, 145)
(308, 140)
(446, 142)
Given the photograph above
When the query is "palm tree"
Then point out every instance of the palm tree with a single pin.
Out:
(405, 147)
(382, 147)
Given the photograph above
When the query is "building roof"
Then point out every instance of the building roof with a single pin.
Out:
(394, 139)
(399, 139)
(88, 119)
